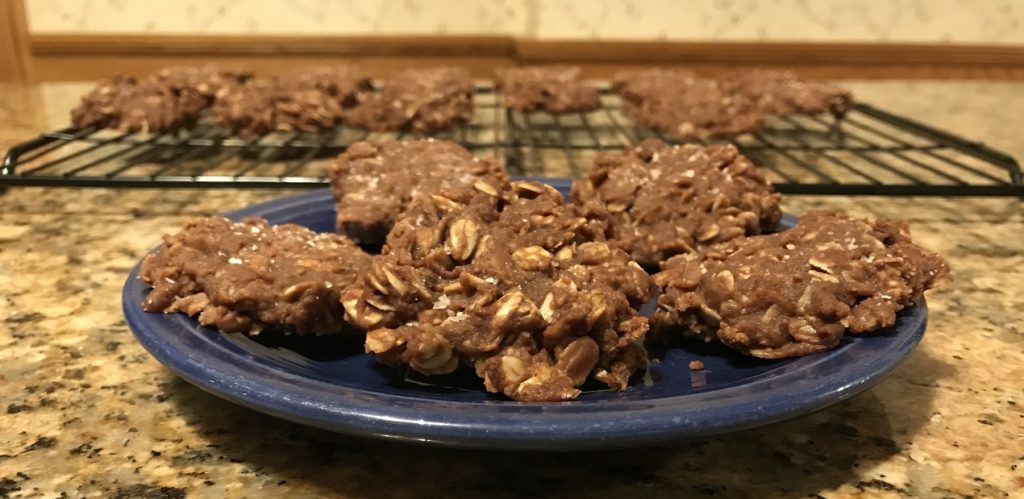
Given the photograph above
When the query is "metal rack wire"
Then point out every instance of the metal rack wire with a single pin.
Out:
(869, 151)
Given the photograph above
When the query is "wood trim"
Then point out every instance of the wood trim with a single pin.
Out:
(61, 56)
(109, 44)
(533, 50)
(15, 56)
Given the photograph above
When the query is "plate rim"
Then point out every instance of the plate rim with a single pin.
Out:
(572, 425)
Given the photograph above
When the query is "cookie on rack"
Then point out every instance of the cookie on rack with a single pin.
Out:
(128, 104)
(781, 92)
(421, 100)
(664, 200)
(249, 276)
(697, 109)
(551, 89)
(262, 106)
(635, 85)
(346, 83)
(208, 80)
(676, 101)
(796, 292)
(374, 184)
(510, 281)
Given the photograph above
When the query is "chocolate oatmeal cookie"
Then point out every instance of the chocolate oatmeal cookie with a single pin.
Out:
(695, 109)
(552, 89)
(796, 292)
(667, 200)
(345, 83)
(374, 184)
(677, 101)
(130, 105)
(262, 106)
(207, 80)
(249, 276)
(510, 281)
(635, 85)
(422, 100)
(781, 92)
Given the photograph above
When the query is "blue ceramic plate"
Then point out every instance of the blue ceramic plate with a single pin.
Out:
(331, 384)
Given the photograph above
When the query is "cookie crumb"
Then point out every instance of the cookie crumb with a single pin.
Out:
(696, 365)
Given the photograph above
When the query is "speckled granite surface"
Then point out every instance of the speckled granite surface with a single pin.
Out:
(86, 412)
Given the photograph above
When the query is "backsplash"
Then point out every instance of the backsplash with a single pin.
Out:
(386, 17)
(987, 21)
(925, 21)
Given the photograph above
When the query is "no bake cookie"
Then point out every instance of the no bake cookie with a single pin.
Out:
(374, 184)
(262, 106)
(781, 92)
(345, 83)
(699, 109)
(510, 281)
(796, 292)
(676, 101)
(552, 89)
(249, 276)
(128, 104)
(635, 85)
(422, 100)
(208, 80)
(666, 200)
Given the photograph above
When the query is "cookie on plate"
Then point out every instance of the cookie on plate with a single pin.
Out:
(249, 276)
(374, 184)
(797, 292)
(667, 200)
(512, 282)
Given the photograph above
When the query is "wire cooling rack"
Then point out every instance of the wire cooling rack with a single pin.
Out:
(868, 152)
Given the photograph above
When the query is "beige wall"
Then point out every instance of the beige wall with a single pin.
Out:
(987, 21)
(927, 21)
(278, 16)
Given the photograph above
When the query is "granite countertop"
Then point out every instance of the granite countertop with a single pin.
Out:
(87, 412)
